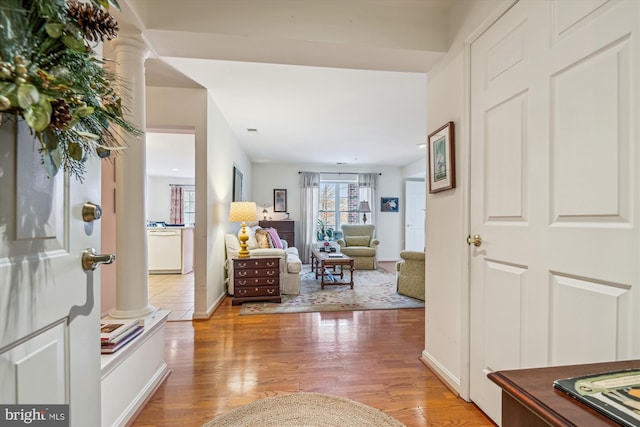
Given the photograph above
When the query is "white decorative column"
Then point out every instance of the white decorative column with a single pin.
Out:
(132, 294)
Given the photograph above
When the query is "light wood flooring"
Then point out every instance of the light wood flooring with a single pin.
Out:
(368, 356)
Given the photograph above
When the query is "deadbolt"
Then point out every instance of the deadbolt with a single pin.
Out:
(91, 212)
(476, 240)
(91, 260)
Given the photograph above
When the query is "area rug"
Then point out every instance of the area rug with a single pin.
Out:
(372, 290)
(305, 409)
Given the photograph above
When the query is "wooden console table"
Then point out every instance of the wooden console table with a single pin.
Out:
(530, 400)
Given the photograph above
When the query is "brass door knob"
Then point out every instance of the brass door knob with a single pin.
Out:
(476, 240)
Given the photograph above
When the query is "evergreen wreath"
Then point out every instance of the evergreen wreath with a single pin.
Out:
(51, 77)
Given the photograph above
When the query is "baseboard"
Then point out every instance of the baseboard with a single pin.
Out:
(447, 378)
(198, 315)
(129, 415)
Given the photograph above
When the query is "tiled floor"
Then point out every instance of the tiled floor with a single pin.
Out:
(172, 292)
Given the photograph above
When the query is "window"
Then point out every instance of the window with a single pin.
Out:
(189, 205)
(338, 204)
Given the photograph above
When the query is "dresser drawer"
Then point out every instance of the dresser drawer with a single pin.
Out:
(257, 281)
(256, 272)
(257, 291)
(254, 263)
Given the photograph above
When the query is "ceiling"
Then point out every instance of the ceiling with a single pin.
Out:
(302, 81)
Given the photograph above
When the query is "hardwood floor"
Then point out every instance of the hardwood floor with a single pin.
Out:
(368, 356)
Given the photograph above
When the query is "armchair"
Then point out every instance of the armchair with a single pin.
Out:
(410, 274)
(358, 243)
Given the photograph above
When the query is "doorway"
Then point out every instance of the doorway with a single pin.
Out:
(414, 217)
(171, 221)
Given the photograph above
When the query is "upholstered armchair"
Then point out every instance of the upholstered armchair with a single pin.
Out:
(358, 243)
(410, 277)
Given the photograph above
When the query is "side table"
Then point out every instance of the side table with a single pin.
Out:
(256, 279)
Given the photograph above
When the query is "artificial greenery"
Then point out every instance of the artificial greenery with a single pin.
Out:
(51, 77)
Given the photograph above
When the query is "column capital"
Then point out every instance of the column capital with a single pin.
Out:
(130, 41)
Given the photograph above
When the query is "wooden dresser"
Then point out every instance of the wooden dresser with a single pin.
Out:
(529, 399)
(286, 229)
(256, 279)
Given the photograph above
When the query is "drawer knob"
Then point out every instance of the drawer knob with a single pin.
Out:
(256, 289)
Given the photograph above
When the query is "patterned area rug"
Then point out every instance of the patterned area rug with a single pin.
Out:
(372, 290)
(305, 409)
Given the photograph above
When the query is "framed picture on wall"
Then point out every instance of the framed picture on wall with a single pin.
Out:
(237, 185)
(389, 204)
(279, 200)
(442, 161)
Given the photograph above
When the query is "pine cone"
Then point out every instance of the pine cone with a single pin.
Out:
(96, 24)
(61, 114)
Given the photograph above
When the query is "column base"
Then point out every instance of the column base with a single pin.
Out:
(129, 314)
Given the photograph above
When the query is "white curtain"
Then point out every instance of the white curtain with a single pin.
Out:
(309, 195)
(368, 183)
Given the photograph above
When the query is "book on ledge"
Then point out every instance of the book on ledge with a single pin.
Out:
(615, 394)
(113, 346)
(334, 256)
(109, 332)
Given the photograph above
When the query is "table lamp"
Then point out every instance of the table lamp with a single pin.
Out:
(364, 208)
(241, 212)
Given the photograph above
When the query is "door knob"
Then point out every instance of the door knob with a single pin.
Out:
(91, 260)
(476, 240)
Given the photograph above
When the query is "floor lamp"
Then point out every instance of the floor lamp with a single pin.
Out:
(241, 212)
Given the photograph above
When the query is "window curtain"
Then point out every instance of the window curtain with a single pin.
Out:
(368, 183)
(309, 200)
(176, 216)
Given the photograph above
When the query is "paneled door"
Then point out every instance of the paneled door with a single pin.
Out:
(415, 196)
(554, 189)
(49, 306)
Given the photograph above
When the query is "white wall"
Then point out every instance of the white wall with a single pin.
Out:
(159, 196)
(389, 225)
(216, 152)
(447, 308)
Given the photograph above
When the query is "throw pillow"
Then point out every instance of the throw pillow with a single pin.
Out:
(357, 240)
(262, 236)
(275, 239)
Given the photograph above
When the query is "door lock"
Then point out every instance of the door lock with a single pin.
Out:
(476, 240)
(91, 260)
(91, 212)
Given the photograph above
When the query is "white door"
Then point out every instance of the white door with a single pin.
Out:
(415, 195)
(49, 307)
(554, 189)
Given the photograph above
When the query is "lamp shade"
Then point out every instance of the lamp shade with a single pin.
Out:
(364, 207)
(242, 211)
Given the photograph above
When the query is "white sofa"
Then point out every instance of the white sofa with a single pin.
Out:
(290, 264)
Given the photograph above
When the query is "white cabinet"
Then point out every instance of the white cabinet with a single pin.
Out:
(170, 250)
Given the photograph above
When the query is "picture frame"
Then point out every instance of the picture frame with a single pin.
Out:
(389, 204)
(279, 200)
(237, 185)
(442, 160)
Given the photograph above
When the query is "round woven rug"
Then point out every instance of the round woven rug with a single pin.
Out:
(305, 409)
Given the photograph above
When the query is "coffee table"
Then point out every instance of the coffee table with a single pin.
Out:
(326, 265)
